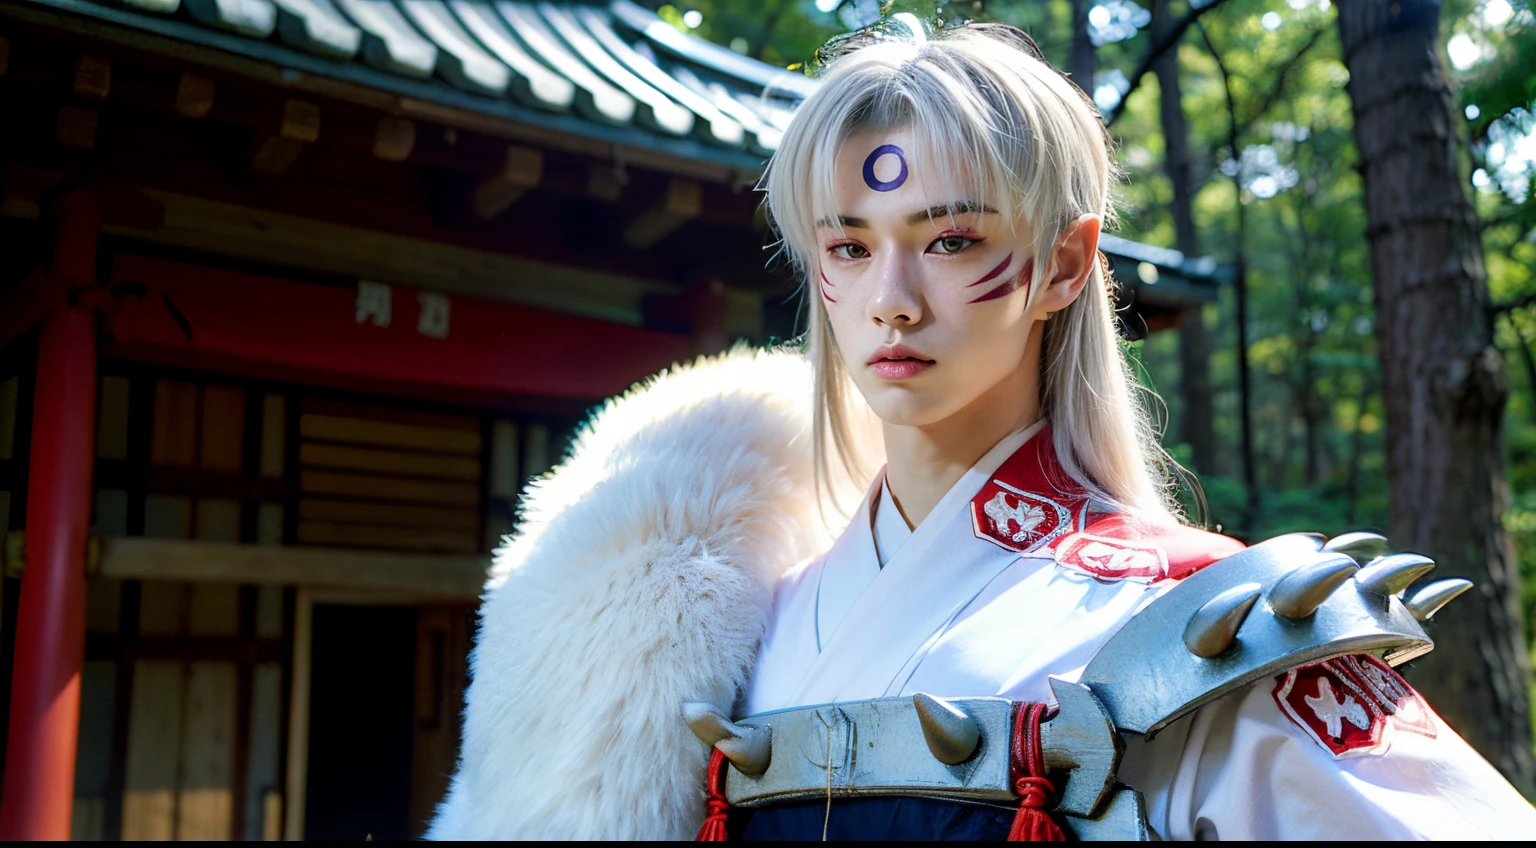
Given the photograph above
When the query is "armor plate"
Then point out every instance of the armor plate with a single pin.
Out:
(1279, 605)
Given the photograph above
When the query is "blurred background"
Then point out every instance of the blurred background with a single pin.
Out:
(295, 295)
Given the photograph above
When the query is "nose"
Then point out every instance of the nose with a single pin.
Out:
(897, 300)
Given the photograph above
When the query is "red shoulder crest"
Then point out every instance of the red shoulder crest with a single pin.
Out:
(1029, 502)
(1116, 547)
(1351, 706)
(1112, 559)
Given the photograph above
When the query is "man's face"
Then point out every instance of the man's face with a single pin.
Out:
(927, 294)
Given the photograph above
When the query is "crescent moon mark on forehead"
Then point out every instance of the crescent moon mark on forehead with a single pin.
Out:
(869, 168)
(992, 274)
(826, 284)
(1009, 287)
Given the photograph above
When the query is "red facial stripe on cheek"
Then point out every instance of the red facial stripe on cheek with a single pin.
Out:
(1009, 287)
(826, 284)
(992, 274)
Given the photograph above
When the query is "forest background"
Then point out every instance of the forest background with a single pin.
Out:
(1254, 160)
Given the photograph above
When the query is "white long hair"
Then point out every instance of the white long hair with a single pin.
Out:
(1000, 124)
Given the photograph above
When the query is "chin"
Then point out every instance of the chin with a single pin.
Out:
(905, 406)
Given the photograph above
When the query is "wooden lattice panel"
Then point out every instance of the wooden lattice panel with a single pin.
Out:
(386, 479)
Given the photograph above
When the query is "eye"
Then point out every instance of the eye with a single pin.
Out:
(849, 250)
(951, 244)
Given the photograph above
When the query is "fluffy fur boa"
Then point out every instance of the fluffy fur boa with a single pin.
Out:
(641, 577)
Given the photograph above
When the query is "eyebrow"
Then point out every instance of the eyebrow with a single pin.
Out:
(957, 207)
(844, 221)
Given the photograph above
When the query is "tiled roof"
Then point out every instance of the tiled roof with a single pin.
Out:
(611, 71)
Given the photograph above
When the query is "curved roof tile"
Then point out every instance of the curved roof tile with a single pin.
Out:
(709, 54)
(618, 72)
(460, 60)
(595, 99)
(532, 83)
(712, 125)
(317, 27)
(255, 18)
(765, 138)
(657, 112)
(390, 43)
(160, 7)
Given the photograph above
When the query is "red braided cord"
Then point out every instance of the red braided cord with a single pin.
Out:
(1032, 823)
(713, 829)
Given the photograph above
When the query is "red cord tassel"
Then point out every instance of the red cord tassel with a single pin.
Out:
(1027, 765)
(713, 829)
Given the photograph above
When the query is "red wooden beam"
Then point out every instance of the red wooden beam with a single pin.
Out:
(408, 341)
(50, 619)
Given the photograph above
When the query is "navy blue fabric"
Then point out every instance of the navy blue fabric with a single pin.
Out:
(887, 819)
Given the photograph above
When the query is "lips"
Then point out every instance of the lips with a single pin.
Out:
(898, 362)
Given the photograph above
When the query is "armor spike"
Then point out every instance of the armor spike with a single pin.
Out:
(747, 747)
(1299, 594)
(1317, 539)
(1391, 574)
(1427, 600)
(1362, 546)
(952, 735)
(1213, 627)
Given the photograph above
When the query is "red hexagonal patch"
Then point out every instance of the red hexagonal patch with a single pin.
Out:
(1018, 521)
(1029, 502)
(1351, 705)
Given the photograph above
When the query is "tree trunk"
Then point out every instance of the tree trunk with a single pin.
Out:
(1081, 63)
(1195, 428)
(1443, 383)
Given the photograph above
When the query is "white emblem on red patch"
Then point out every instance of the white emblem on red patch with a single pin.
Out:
(1332, 709)
(1351, 705)
(1112, 559)
(1392, 693)
(1017, 520)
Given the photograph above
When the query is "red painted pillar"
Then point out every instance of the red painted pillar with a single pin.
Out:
(50, 620)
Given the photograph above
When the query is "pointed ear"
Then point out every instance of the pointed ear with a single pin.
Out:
(1077, 253)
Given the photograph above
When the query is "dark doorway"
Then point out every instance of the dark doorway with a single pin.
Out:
(360, 723)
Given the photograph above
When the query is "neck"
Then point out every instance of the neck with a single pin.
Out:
(924, 462)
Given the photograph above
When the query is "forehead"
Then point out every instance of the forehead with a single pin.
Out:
(895, 172)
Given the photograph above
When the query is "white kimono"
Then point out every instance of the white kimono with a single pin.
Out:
(1017, 575)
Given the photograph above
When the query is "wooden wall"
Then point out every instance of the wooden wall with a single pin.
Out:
(181, 729)
(188, 692)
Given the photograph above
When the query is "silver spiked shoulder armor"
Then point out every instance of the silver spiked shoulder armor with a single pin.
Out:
(1285, 603)
(1279, 605)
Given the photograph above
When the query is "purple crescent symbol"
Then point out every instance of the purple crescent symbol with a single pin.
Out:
(869, 168)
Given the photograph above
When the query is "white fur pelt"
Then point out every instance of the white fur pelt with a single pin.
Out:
(641, 577)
